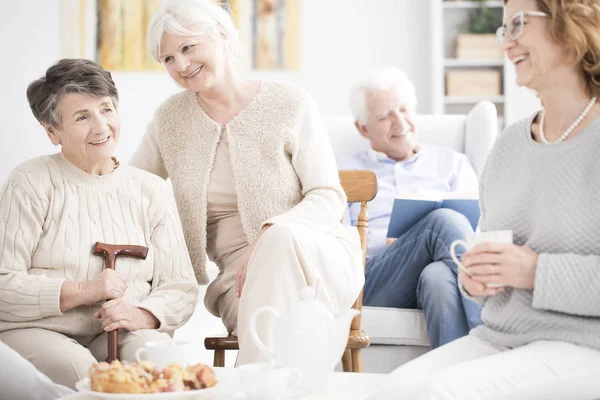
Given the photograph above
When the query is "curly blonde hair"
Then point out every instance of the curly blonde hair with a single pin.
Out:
(574, 25)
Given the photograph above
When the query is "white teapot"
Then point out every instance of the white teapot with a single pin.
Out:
(308, 338)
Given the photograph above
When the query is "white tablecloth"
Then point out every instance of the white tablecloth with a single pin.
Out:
(347, 386)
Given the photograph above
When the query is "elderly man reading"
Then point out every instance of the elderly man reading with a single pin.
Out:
(415, 271)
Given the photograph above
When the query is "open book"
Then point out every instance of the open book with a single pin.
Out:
(409, 209)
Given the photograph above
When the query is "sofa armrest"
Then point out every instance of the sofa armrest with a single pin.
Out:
(481, 129)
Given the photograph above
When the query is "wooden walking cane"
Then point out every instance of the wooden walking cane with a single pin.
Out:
(110, 252)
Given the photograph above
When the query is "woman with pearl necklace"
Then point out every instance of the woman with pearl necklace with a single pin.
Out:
(540, 294)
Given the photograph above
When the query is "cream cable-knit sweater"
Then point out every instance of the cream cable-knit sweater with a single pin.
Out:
(548, 195)
(282, 161)
(52, 213)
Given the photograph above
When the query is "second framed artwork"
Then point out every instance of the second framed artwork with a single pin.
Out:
(113, 32)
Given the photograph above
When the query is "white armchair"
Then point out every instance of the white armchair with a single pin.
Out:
(399, 335)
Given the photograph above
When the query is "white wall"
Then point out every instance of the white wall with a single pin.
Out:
(29, 44)
(342, 38)
(339, 40)
(523, 101)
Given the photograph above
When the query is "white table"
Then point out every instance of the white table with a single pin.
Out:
(341, 385)
(346, 386)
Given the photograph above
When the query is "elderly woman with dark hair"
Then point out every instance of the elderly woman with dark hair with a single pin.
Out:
(541, 295)
(54, 208)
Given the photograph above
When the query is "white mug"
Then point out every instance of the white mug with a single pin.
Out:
(477, 238)
(164, 352)
(268, 381)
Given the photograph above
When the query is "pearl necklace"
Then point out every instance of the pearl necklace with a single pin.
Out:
(570, 128)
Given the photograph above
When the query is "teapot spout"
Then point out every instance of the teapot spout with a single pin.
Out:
(341, 330)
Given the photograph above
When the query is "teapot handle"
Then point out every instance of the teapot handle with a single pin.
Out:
(255, 338)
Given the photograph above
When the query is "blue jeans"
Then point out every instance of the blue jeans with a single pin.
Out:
(416, 271)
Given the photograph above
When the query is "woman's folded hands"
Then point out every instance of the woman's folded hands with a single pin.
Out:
(117, 313)
(109, 287)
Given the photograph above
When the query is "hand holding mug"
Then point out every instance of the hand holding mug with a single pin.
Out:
(475, 288)
(502, 264)
(494, 261)
(475, 239)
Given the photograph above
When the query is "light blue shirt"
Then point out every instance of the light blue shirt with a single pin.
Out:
(432, 171)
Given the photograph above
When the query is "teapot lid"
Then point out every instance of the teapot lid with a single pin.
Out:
(307, 312)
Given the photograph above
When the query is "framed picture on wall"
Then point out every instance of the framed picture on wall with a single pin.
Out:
(113, 32)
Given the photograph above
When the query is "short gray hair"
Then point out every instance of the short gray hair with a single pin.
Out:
(69, 75)
(386, 78)
(205, 16)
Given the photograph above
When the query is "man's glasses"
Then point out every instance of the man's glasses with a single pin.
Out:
(514, 27)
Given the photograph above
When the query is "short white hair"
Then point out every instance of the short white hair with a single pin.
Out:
(202, 16)
(386, 78)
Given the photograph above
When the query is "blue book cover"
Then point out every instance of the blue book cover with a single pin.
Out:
(408, 211)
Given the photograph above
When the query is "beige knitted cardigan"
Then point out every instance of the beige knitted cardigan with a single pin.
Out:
(283, 164)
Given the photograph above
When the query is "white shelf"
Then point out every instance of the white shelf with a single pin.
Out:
(472, 99)
(458, 62)
(446, 21)
(471, 4)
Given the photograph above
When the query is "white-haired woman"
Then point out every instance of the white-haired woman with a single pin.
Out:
(253, 173)
(540, 338)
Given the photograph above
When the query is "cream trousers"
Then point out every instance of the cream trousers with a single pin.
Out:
(287, 258)
(66, 360)
(470, 368)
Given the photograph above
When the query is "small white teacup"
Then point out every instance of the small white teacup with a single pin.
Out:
(477, 238)
(164, 352)
(268, 381)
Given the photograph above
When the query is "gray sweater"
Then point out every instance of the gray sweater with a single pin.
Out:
(548, 195)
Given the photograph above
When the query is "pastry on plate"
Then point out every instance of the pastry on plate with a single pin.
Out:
(199, 376)
(117, 377)
(144, 377)
(169, 380)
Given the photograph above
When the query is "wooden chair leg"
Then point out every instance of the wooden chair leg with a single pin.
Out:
(219, 360)
(357, 365)
(347, 361)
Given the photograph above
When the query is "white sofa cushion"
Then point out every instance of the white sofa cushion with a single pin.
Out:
(472, 134)
(395, 326)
